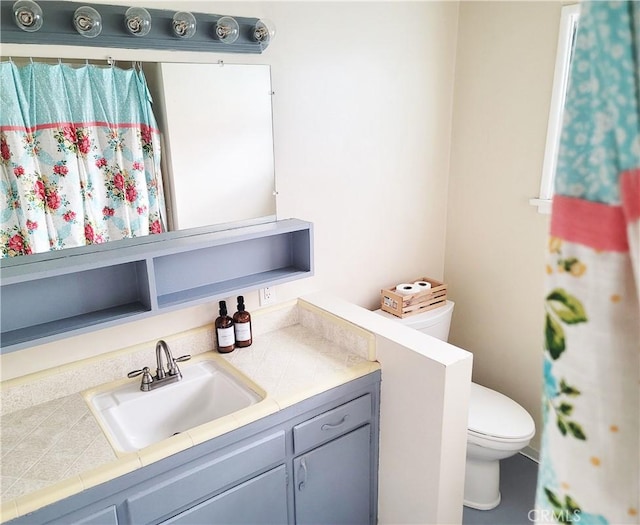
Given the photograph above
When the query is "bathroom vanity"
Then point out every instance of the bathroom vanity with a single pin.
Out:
(307, 449)
(315, 461)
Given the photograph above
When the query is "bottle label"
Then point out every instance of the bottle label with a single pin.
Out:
(243, 331)
(225, 337)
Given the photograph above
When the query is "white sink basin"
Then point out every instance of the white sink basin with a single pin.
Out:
(134, 419)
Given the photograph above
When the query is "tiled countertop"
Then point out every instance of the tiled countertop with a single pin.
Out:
(56, 448)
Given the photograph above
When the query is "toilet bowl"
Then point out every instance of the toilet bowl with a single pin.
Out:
(498, 427)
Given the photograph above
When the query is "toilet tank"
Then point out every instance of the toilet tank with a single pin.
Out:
(435, 323)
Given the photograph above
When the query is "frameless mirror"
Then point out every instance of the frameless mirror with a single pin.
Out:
(217, 151)
(218, 141)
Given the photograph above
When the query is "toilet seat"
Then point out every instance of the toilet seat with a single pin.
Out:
(496, 417)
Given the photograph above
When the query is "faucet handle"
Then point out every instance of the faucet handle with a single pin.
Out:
(136, 373)
(146, 378)
(173, 365)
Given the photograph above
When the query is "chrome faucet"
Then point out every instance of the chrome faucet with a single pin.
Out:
(162, 377)
(172, 367)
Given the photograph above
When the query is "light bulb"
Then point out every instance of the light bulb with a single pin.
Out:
(263, 32)
(227, 29)
(28, 15)
(184, 25)
(87, 21)
(137, 20)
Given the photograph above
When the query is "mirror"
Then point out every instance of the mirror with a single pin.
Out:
(217, 151)
(218, 141)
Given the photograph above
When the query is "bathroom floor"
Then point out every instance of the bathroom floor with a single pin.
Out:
(518, 475)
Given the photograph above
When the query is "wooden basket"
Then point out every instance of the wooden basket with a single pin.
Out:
(406, 305)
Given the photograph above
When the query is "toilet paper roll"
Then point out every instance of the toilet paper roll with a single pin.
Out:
(423, 285)
(407, 288)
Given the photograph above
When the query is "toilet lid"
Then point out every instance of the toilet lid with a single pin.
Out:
(496, 415)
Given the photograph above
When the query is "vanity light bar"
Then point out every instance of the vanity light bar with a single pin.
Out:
(61, 23)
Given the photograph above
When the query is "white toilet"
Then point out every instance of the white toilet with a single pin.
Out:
(498, 426)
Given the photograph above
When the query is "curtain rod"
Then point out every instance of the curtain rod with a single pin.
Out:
(135, 64)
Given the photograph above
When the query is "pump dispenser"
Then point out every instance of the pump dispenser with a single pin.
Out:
(242, 325)
(225, 335)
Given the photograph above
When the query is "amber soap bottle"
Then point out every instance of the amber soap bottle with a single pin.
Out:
(242, 325)
(225, 335)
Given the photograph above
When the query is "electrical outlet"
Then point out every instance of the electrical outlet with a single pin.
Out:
(267, 295)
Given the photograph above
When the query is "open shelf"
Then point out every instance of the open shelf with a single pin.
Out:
(64, 295)
(229, 287)
(49, 331)
(61, 298)
(223, 269)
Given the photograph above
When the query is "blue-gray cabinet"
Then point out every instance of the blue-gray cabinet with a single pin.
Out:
(314, 462)
(332, 481)
(332, 467)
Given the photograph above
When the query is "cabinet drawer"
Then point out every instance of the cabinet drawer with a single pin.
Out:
(207, 476)
(331, 424)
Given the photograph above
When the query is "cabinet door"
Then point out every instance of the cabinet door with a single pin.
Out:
(260, 501)
(333, 482)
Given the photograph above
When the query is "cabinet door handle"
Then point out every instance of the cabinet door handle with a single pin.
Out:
(303, 476)
(331, 426)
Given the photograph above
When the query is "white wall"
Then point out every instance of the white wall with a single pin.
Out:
(495, 253)
(362, 137)
(362, 125)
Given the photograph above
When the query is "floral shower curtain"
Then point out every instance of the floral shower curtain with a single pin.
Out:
(80, 157)
(590, 455)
